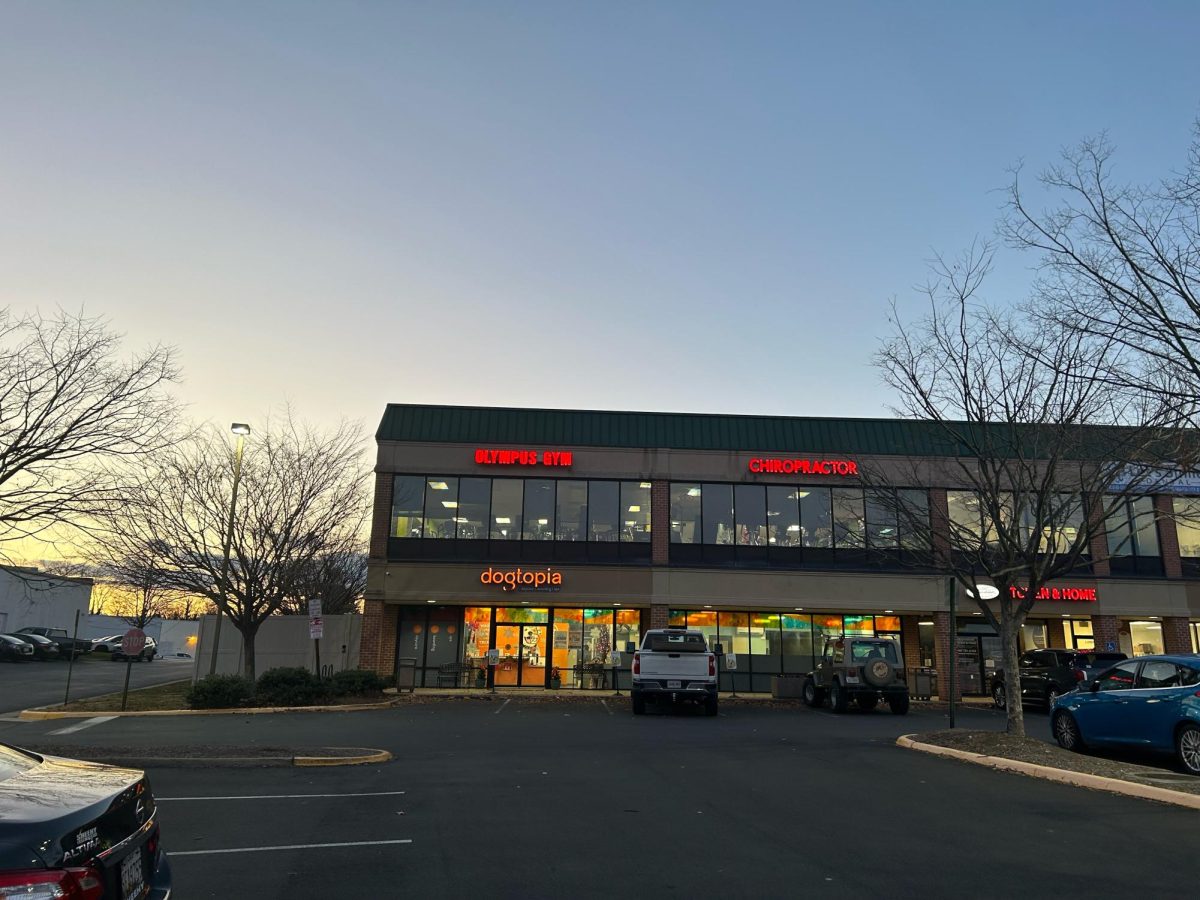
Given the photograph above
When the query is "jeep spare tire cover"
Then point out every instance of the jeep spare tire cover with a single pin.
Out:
(878, 672)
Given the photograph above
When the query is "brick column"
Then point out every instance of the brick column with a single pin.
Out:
(1106, 629)
(1099, 542)
(1168, 542)
(377, 648)
(381, 515)
(943, 647)
(910, 637)
(939, 523)
(1177, 637)
(660, 615)
(660, 524)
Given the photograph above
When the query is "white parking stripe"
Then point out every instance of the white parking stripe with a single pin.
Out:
(176, 853)
(86, 723)
(502, 705)
(281, 796)
(606, 709)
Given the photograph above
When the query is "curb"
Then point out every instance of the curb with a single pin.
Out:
(365, 759)
(372, 757)
(44, 712)
(1062, 776)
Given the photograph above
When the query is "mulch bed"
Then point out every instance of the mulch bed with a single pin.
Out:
(1031, 750)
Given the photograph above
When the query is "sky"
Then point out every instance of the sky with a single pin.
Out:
(682, 206)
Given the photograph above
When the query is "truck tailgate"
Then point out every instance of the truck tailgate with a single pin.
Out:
(674, 665)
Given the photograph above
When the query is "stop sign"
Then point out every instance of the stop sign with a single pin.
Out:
(134, 642)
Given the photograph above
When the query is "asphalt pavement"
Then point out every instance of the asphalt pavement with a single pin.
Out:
(513, 799)
(40, 683)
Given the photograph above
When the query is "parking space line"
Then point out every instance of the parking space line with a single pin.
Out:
(280, 796)
(606, 709)
(86, 723)
(175, 853)
(502, 705)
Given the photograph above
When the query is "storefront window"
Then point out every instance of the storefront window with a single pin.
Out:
(474, 498)
(604, 505)
(572, 510)
(750, 508)
(816, 517)
(567, 645)
(717, 506)
(408, 499)
(848, 518)
(635, 511)
(783, 516)
(506, 508)
(477, 631)
(859, 625)
(824, 628)
(685, 513)
(704, 621)
(1146, 638)
(1078, 633)
(629, 630)
(522, 614)
(1187, 525)
(539, 510)
(766, 649)
(797, 639)
(677, 617)
(887, 624)
(597, 636)
(441, 507)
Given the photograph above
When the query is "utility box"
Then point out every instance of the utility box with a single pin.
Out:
(924, 683)
(787, 687)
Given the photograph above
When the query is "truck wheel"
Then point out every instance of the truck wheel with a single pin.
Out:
(710, 706)
(899, 704)
(813, 696)
(639, 705)
(867, 702)
(838, 698)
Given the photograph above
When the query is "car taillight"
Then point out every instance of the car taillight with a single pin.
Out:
(1079, 676)
(637, 664)
(712, 664)
(52, 884)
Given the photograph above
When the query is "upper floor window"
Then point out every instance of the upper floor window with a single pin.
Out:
(1187, 525)
(1133, 537)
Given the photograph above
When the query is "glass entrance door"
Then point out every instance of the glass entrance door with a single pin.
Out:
(522, 655)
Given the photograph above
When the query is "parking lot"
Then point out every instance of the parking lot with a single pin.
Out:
(38, 683)
(542, 799)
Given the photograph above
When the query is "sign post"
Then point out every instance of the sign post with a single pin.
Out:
(731, 666)
(71, 659)
(132, 644)
(316, 629)
(616, 665)
(493, 659)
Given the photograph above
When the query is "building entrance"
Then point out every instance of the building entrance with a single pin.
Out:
(522, 655)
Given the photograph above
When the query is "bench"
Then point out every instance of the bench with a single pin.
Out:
(454, 674)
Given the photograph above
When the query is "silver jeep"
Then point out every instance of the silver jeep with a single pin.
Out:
(865, 670)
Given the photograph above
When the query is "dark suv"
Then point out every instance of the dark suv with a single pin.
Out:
(1045, 674)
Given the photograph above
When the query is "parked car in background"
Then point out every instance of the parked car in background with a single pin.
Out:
(66, 643)
(860, 670)
(76, 829)
(107, 644)
(1150, 702)
(13, 649)
(147, 655)
(1048, 674)
(43, 648)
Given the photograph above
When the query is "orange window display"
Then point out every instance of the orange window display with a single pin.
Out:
(477, 629)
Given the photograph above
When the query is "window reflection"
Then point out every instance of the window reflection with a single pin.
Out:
(539, 510)
(507, 504)
(717, 513)
(572, 510)
(408, 504)
(474, 500)
(848, 519)
(603, 510)
(1187, 525)
(635, 511)
(816, 517)
(441, 507)
(783, 516)
(685, 513)
(750, 506)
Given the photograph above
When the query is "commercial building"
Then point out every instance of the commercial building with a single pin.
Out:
(554, 537)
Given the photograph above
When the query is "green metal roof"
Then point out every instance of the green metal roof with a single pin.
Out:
(568, 428)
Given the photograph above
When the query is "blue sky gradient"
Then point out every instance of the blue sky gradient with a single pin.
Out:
(677, 205)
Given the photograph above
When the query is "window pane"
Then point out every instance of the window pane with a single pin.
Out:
(1187, 525)
(887, 624)
(705, 622)
(825, 628)
(685, 513)
(863, 625)
(797, 643)
(635, 511)
(604, 504)
(765, 645)
(1158, 674)
(1144, 526)
(408, 499)
(1120, 536)
(816, 519)
(474, 497)
(539, 510)
(848, 528)
(880, 513)
(750, 506)
(1119, 678)
(597, 636)
(733, 632)
(629, 630)
(913, 519)
(966, 524)
(1063, 524)
(506, 508)
(572, 510)
(477, 631)
(1146, 637)
(441, 507)
(522, 614)
(783, 516)
(717, 503)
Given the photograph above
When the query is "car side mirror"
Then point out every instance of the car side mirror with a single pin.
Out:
(1093, 687)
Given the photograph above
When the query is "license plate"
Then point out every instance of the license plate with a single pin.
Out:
(133, 882)
(674, 685)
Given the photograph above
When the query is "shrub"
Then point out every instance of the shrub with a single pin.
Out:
(219, 691)
(289, 686)
(356, 682)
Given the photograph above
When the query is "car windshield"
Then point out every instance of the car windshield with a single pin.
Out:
(863, 652)
(9, 639)
(13, 762)
(676, 643)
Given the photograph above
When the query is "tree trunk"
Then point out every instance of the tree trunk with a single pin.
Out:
(248, 653)
(1010, 631)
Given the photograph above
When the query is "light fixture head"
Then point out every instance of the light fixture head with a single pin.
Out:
(240, 428)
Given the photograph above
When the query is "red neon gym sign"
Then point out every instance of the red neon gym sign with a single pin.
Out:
(772, 466)
(561, 458)
(1087, 595)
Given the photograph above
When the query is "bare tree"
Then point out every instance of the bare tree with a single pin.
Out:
(303, 496)
(339, 578)
(143, 588)
(1121, 263)
(70, 405)
(1017, 408)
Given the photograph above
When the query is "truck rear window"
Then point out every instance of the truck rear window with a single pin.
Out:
(676, 643)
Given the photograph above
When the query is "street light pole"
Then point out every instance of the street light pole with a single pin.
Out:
(241, 430)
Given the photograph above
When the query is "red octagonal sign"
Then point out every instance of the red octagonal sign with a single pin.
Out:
(134, 642)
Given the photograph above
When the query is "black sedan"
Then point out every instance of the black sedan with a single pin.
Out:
(14, 649)
(75, 829)
(43, 647)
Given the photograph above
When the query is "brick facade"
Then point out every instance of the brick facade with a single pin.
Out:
(381, 515)
(377, 650)
(1099, 543)
(1106, 630)
(660, 523)
(943, 630)
(1168, 539)
(910, 638)
(660, 616)
(1177, 636)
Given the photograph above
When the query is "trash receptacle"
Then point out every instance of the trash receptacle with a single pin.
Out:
(924, 683)
(406, 674)
(787, 686)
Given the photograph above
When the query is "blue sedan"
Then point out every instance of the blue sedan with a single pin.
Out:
(1152, 702)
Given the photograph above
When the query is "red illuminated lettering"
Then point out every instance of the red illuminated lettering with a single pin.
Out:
(777, 466)
(518, 457)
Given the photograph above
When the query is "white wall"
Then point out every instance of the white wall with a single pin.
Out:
(31, 598)
(281, 641)
(172, 635)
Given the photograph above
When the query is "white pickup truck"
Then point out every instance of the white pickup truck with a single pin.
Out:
(674, 665)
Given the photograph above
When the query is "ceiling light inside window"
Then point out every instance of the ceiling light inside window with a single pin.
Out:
(694, 492)
(439, 485)
(503, 520)
(450, 504)
(543, 521)
(645, 484)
